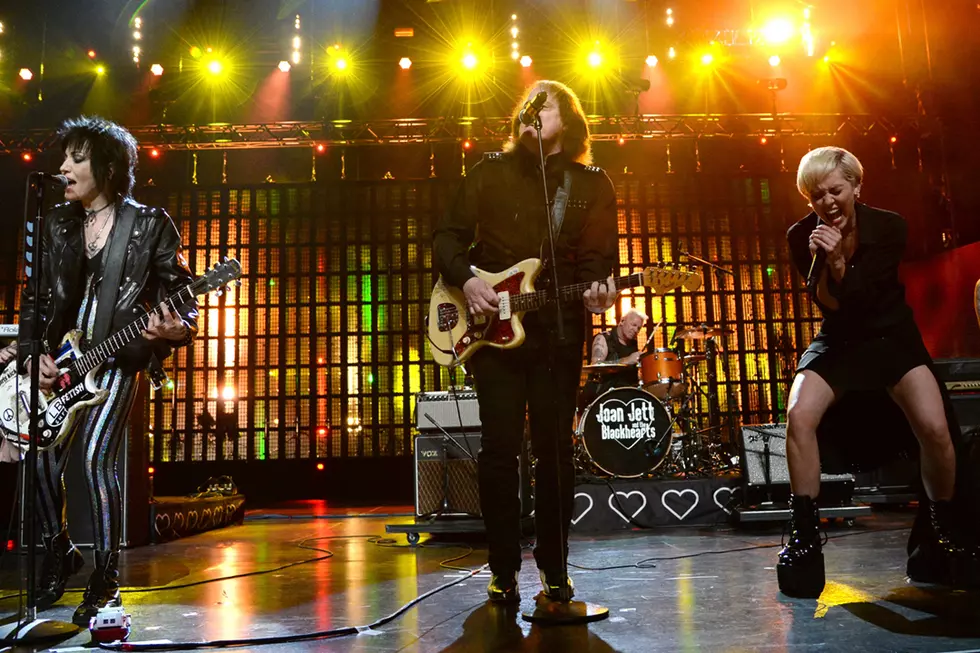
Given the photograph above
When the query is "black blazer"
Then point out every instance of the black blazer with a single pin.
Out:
(871, 297)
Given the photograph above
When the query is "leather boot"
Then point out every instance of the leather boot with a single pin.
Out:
(557, 586)
(103, 588)
(800, 570)
(61, 561)
(503, 588)
(943, 555)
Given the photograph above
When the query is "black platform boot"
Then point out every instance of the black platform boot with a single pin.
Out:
(61, 561)
(943, 554)
(800, 568)
(103, 588)
(503, 588)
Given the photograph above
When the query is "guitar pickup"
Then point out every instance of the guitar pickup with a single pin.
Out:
(504, 305)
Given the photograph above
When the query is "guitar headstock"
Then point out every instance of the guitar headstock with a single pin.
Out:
(663, 278)
(218, 277)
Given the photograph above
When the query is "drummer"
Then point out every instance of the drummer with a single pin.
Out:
(618, 345)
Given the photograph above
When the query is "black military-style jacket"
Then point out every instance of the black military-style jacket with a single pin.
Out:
(498, 218)
(152, 267)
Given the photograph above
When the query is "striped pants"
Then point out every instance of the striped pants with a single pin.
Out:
(101, 428)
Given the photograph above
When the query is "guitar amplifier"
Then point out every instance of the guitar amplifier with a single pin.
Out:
(760, 482)
(445, 475)
(446, 408)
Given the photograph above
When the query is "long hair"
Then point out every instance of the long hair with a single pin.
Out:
(111, 149)
(576, 140)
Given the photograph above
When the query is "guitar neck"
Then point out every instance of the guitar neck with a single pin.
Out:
(100, 353)
(531, 301)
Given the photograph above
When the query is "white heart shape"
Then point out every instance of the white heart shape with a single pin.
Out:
(627, 495)
(576, 520)
(680, 493)
(731, 491)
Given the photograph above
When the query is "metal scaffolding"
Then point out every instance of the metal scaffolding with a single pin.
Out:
(227, 136)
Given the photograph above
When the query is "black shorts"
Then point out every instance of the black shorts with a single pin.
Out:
(868, 362)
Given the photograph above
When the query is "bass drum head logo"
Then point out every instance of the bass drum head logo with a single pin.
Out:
(626, 432)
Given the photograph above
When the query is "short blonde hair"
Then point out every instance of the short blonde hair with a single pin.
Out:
(817, 164)
(634, 311)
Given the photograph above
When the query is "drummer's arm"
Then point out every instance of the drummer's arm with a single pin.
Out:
(599, 350)
(632, 359)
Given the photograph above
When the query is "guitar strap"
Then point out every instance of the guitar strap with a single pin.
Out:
(561, 203)
(114, 263)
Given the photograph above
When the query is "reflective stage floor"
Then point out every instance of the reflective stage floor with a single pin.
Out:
(711, 590)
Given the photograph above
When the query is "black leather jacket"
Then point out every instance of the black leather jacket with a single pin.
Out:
(141, 265)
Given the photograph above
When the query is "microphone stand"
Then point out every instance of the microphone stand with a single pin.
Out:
(28, 629)
(565, 611)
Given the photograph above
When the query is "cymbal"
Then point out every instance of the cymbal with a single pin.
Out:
(693, 358)
(607, 368)
(698, 332)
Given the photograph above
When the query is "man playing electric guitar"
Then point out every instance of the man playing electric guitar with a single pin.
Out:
(105, 258)
(498, 219)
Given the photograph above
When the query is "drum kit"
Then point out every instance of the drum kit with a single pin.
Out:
(630, 431)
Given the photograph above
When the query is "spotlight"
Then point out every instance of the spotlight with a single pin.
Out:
(228, 393)
(137, 35)
(594, 59)
(340, 64)
(469, 61)
(652, 61)
(526, 61)
(25, 74)
(150, 471)
(154, 153)
(320, 149)
(778, 30)
(707, 58)
(91, 54)
(296, 56)
(196, 52)
(622, 141)
(774, 60)
(515, 55)
(670, 21)
(671, 53)
(763, 140)
(467, 144)
(100, 70)
(284, 66)
(319, 467)
(156, 69)
(404, 63)
(27, 157)
(215, 67)
(893, 139)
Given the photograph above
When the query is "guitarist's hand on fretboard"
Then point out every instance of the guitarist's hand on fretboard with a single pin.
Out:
(601, 296)
(480, 297)
(168, 327)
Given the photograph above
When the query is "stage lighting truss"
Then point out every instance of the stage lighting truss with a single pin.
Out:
(341, 133)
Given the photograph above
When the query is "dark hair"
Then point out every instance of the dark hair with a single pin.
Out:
(576, 139)
(111, 150)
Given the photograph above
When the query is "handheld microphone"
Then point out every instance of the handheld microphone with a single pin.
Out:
(58, 180)
(816, 269)
(529, 114)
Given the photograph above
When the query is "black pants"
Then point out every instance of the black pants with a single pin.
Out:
(511, 384)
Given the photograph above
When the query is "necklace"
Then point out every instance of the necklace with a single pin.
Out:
(90, 214)
(93, 245)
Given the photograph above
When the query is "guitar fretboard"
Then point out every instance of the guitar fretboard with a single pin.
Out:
(531, 301)
(100, 353)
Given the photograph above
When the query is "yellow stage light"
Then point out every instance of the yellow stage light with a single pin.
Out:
(652, 61)
(25, 74)
(526, 61)
(215, 67)
(515, 55)
(594, 59)
(671, 53)
(774, 60)
(196, 52)
(340, 64)
(100, 70)
(670, 21)
(296, 56)
(156, 69)
(404, 63)
(469, 61)
(777, 31)
(707, 58)
(284, 66)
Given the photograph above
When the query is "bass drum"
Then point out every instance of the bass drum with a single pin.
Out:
(625, 432)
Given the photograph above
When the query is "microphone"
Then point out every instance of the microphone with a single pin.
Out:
(529, 114)
(60, 181)
(816, 269)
